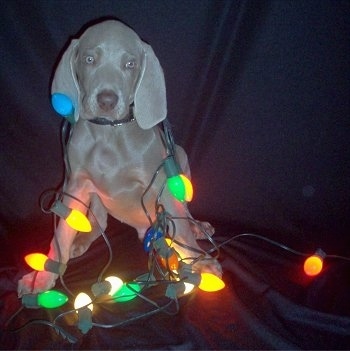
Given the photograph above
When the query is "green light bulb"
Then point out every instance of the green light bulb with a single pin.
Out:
(125, 293)
(177, 187)
(46, 299)
(178, 184)
(52, 299)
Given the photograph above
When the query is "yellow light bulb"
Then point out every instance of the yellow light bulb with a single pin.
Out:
(188, 188)
(210, 282)
(78, 221)
(36, 261)
(170, 243)
(82, 300)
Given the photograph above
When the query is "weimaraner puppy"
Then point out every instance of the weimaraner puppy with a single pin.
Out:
(117, 87)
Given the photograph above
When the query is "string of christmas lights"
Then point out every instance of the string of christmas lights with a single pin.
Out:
(166, 266)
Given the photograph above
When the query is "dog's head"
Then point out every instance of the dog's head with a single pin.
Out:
(109, 69)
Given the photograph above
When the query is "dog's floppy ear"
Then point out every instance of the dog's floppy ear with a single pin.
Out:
(64, 80)
(150, 95)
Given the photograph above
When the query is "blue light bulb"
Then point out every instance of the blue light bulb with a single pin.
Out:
(63, 105)
(151, 235)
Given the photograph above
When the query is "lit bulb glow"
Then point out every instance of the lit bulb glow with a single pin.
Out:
(74, 218)
(188, 288)
(52, 299)
(313, 265)
(116, 284)
(170, 259)
(36, 261)
(41, 262)
(180, 187)
(151, 235)
(63, 105)
(188, 188)
(84, 310)
(78, 221)
(125, 293)
(210, 282)
(168, 241)
(82, 300)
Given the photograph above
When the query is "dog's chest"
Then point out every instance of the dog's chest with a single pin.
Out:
(114, 159)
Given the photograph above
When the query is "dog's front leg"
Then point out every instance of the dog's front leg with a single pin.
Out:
(60, 246)
(187, 246)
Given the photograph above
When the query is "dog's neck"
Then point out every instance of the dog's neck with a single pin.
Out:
(114, 123)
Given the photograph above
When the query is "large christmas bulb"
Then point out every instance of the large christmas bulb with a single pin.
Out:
(36, 261)
(41, 262)
(151, 235)
(63, 105)
(313, 264)
(170, 260)
(109, 286)
(178, 184)
(46, 299)
(83, 300)
(167, 255)
(84, 309)
(127, 292)
(74, 218)
(210, 282)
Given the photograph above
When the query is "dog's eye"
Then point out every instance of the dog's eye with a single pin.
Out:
(130, 64)
(89, 60)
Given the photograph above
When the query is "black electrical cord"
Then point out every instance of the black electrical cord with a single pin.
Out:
(164, 222)
(144, 315)
(275, 243)
(72, 339)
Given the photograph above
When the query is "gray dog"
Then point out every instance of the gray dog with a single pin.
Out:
(117, 87)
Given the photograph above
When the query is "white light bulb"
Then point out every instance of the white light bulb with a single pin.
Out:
(188, 288)
(116, 284)
(82, 300)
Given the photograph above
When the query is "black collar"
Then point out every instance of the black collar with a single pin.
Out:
(116, 123)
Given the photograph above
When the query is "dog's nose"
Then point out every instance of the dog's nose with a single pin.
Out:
(107, 100)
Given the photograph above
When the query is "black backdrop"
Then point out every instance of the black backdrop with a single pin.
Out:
(258, 95)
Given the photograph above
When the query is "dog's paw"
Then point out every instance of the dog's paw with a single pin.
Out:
(208, 265)
(80, 245)
(36, 282)
(201, 230)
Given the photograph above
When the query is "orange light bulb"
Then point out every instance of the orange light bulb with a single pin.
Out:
(171, 261)
(313, 265)
(36, 261)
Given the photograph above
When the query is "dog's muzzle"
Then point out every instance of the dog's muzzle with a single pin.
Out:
(107, 100)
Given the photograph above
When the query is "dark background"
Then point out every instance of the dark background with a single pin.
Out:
(258, 95)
